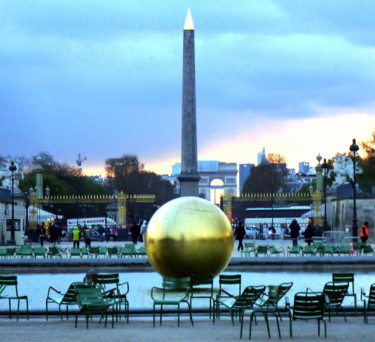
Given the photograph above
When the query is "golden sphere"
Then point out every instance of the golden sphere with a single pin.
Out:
(189, 235)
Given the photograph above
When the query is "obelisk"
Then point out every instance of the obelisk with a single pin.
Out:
(189, 177)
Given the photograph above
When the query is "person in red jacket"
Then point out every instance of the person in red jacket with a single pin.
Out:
(364, 232)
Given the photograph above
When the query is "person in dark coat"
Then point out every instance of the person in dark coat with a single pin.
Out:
(308, 233)
(135, 230)
(294, 231)
(239, 234)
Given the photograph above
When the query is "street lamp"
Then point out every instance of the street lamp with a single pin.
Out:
(12, 168)
(354, 149)
(325, 167)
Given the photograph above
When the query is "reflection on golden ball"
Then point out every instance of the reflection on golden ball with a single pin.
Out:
(189, 235)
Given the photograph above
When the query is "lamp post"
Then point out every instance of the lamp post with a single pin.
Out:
(12, 168)
(354, 149)
(325, 167)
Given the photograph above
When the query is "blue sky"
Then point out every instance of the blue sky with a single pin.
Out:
(104, 78)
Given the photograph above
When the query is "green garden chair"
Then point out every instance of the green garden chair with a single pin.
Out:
(343, 250)
(272, 250)
(267, 304)
(175, 291)
(66, 299)
(90, 301)
(229, 286)
(75, 252)
(295, 250)
(11, 251)
(368, 301)
(40, 251)
(248, 248)
(327, 250)
(368, 250)
(117, 291)
(112, 251)
(237, 304)
(24, 251)
(334, 296)
(308, 306)
(309, 250)
(261, 250)
(127, 251)
(93, 251)
(141, 252)
(202, 287)
(56, 252)
(346, 277)
(84, 252)
(9, 292)
(103, 251)
(3, 253)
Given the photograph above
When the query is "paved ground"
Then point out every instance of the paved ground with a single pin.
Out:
(140, 329)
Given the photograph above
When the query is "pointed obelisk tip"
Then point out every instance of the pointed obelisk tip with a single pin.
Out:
(189, 21)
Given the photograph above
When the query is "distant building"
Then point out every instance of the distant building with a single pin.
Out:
(303, 167)
(245, 170)
(217, 178)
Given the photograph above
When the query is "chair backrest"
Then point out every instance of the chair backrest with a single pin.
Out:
(308, 305)
(176, 283)
(105, 278)
(226, 280)
(112, 250)
(198, 279)
(336, 292)
(344, 277)
(371, 296)
(249, 296)
(8, 280)
(262, 249)
(89, 296)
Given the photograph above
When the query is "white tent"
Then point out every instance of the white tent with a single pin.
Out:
(40, 215)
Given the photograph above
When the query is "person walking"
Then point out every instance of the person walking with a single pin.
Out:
(76, 236)
(239, 234)
(364, 234)
(308, 233)
(294, 231)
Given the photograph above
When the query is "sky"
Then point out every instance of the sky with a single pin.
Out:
(104, 79)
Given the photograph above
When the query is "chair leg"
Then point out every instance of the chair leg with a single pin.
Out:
(267, 323)
(278, 325)
(290, 326)
(251, 323)
(318, 327)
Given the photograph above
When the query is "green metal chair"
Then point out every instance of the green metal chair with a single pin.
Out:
(202, 287)
(66, 299)
(93, 251)
(141, 252)
(118, 293)
(227, 282)
(334, 296)
(3, 252)
(84, 252)
(9, 291)
(295, 250)
(248, 248)
(308, 306)
(327, 250)
(367, 250)
(309, 250)
(174, 292)
(40, 251)
(90, 301)
(261, 250)
(272, 250)
(113, 251)
(127, 251)
(368, 301)
(237, 304)
(75, 252)
(346, 277)
(56, 252)
(103, 251)
(24, 251)
(343, 250)
(267, 304)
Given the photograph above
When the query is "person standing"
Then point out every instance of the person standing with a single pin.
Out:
(76, 236)
(143, 230)
(294, 231)
(135, 229)
(87, 235)
(364, 233)
(308, 233)
(42, 234)
(239, 233)
(115, 233)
